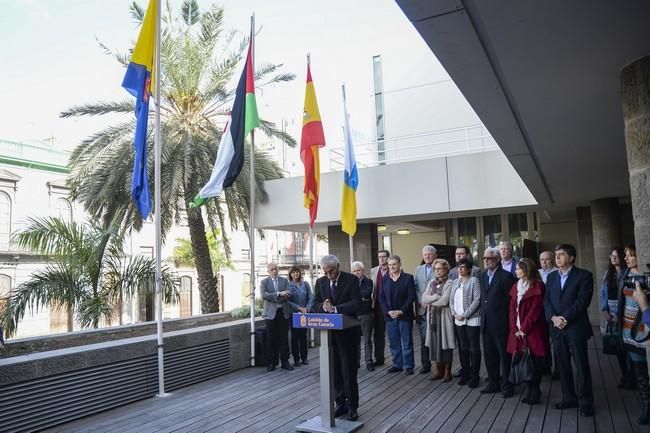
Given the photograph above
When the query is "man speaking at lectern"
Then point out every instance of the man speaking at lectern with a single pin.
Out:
(338, 292)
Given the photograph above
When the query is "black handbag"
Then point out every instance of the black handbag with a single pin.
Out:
(522, 369)
(612, 343)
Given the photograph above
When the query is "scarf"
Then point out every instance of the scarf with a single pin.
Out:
(522, 288)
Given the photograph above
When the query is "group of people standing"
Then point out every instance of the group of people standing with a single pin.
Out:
(509, 306)
(625, 311)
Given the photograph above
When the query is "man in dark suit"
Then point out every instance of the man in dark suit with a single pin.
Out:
(495, 301)
(366, 316)
(566, 304)
(338, 292)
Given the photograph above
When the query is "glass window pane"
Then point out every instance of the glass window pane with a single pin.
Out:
(467, 235)
(518, 228)
(492, 230)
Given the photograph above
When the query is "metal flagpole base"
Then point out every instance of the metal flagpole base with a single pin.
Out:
(163, 395)
(315, 425)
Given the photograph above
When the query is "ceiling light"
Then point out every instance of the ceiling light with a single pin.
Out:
(381, 227)
(403, 231)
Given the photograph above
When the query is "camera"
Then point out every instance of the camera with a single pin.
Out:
(643, 279)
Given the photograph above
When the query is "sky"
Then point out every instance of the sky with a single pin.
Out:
(51, 60)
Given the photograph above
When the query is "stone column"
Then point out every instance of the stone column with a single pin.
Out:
(606, 229)
(585, 257)
(365, 246)
(635, 95)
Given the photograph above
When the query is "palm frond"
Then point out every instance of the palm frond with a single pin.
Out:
(137, 12)
(99, 108)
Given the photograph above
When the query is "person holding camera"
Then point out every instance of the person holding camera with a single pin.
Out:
(610, 292)
(634, 331)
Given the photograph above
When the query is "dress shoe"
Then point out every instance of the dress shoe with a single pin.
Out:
(534, 396)
(425, 370)
(370, 367)
(462, 381)
(270, 367)
(305, 362)
(394, 370)
(566, 405)
(353, 415)
(297, 364)
(340, 410)
(587, 411)
(507, 393)
(379, 363)
(409, 371)
(287, 366)
(490, 389)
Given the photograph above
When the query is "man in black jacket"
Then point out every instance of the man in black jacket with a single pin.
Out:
(366, 315)
(338, 292)
(566, 304)
(495, 301)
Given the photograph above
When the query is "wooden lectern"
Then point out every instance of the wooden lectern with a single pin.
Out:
(326, 323)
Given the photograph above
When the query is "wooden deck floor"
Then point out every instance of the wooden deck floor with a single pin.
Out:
(253, 400)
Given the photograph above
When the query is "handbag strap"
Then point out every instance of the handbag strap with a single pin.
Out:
(635, 328)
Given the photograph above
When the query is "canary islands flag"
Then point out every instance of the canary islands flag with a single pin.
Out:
(312, 139)
(243, 118)
(137, 81)
(350, 182)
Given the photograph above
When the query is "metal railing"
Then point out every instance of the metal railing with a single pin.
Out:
(434, 144)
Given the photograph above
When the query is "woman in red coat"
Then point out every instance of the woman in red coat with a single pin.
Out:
(528, 324)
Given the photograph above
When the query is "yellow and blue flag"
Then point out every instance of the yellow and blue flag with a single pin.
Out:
(138, 82)
(350, 182)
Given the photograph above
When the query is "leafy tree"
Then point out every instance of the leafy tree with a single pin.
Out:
(87, 274)
(184, 256)
(199, 58)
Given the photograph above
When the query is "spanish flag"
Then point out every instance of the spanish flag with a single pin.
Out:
(350, 181)
(138, 82)
(312, 139)
(243, 118)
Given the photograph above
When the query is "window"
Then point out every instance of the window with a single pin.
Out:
(5, 286)
(518, 229)
(63, 209)
(467, 235)
(146, 251)
(186, 283)
(245, 254)
(493, 233)
(5, 220)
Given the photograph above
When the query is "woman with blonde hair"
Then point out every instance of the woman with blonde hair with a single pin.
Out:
(440, 338)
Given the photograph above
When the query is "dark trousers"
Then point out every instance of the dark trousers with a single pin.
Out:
(541, 364)
(299, 345)
(469, 351)
(379, 335)
(421, 322)
(565, 350)
(367, 325)
(277, 339)
(346, 366)
(497, 359)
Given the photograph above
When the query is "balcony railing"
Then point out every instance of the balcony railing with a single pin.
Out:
(435, 144)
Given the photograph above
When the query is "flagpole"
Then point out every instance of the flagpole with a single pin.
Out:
(251, 213)
(157, 199)
(311, 277)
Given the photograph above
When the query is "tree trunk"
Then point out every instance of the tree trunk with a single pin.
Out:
(207, 282)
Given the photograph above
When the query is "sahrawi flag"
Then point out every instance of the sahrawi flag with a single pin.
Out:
(312, 139)
(230, 156)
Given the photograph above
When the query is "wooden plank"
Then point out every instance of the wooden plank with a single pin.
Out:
(469, 421)
(535, 422)
(436, 422)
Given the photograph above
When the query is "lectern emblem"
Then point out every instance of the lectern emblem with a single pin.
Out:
(303, 320)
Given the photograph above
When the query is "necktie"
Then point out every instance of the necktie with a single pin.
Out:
(333, 290)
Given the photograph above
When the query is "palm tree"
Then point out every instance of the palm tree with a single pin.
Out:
(87, 275)
(198, 62)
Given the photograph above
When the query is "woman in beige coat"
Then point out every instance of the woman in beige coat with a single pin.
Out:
(440, 333)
